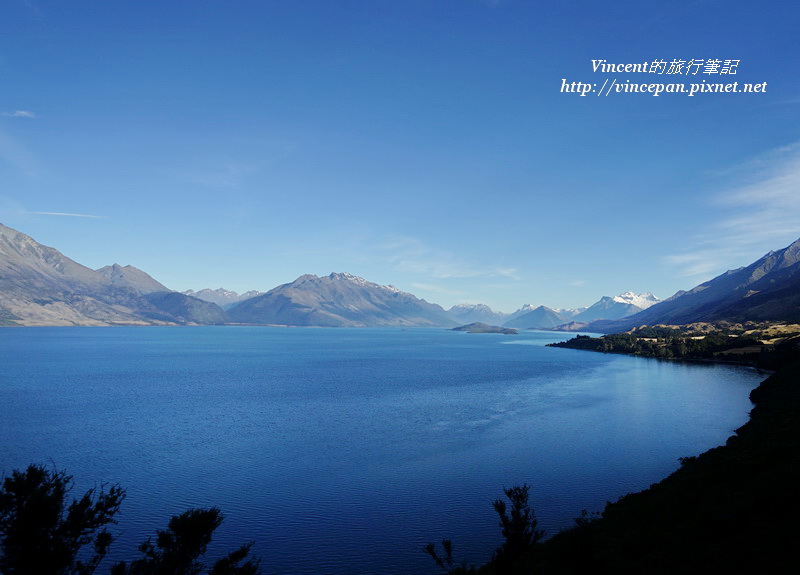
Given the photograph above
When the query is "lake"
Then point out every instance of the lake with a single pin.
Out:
(344, 451)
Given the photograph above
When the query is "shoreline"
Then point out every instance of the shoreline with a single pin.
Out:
(719, 512)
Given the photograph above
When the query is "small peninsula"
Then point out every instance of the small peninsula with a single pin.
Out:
(479, 327)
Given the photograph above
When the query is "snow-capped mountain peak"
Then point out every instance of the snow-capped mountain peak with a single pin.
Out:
(358, 280)
(642, 300)
(569, 312)
(470, 307)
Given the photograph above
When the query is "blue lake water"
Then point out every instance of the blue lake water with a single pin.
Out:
(344, 451)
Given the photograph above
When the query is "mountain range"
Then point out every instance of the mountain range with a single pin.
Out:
(41, 286)
(536, 317)
(617, 307)
(766, 290)
(465, 313)
(222, 297)
(338, 300)
(529, 316)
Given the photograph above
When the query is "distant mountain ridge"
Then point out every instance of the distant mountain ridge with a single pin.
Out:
(539, 317)
(766, 290)
(476, 313)
(339, 300)
(131, 277)
(642, 300)
(222, 297)
(41, 286)
(543, 317)
(617, 307)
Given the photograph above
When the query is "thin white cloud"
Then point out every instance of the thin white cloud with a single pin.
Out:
(702, 263)
(785, 102)
(507, 273)
(69, 215)
(759, 215)
(437, 289)
(19, 114)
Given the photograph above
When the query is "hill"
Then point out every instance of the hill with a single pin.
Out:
(479, 327)
(540, 317)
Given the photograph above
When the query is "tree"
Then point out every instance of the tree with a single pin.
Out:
(178, 549)
(444, 562)
(40, 533)
(518, 528)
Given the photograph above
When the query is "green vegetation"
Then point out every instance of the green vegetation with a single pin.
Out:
(43, 534)
(732, 343)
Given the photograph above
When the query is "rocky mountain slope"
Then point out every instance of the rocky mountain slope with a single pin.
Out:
(617, 307)
(767, 289)
(41, 286)
(539, 317)
(339, 300)
(131, 277)
(472, 313)
(222, 297)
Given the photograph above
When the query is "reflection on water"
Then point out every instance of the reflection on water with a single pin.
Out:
(346, 450)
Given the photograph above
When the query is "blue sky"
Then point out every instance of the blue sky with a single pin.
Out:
(420, 143)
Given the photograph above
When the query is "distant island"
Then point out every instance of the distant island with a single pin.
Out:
(479, 327)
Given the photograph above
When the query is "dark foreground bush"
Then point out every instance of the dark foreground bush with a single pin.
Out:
(43, 533)
(520, 538)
